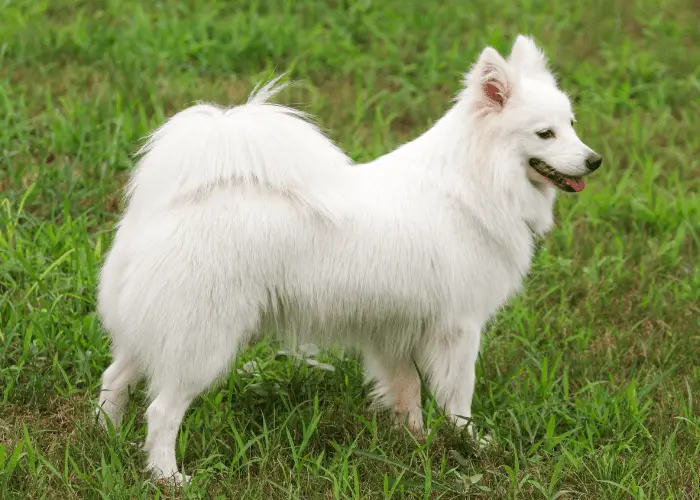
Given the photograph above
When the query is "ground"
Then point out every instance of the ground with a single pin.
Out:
(588, 382)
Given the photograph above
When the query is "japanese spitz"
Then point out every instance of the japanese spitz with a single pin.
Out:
(249, 219)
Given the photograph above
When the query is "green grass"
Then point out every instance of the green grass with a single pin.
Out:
(589, 381)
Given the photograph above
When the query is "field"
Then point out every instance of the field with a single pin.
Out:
(589, 382)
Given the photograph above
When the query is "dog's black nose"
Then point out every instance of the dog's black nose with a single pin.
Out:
(593, 161)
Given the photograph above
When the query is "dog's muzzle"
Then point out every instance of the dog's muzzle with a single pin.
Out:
(567, 183)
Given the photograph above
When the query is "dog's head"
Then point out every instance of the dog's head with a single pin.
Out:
(520, 98)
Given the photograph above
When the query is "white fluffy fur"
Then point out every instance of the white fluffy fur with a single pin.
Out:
(245, 219)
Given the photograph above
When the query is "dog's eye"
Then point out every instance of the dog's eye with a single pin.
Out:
(572, 123)
(546, 134)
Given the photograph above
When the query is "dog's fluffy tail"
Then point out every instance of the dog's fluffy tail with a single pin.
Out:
(257, 143)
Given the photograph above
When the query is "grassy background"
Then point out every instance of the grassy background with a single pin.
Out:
(589, 382)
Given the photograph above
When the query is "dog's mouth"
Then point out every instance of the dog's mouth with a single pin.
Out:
(567, 183)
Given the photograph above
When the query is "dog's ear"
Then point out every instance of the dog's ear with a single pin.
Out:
(494, 78)
(528, 59)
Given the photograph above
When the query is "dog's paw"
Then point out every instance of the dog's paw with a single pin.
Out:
(104, 421)
(413, 422)
(485, 441)
(171, 477)
(181, 479)
(109, 416)
(101, 420)
(174, 479)
(481, 441)
(417, 432)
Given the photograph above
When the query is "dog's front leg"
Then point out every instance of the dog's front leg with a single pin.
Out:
(451, 370)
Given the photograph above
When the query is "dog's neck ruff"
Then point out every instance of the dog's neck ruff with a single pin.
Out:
(464, 158)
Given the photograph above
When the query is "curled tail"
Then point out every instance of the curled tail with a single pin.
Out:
(257, 143)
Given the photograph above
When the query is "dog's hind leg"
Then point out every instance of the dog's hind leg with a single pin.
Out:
(116, 380)
(164, 416)
(186, 366)
(397, 386)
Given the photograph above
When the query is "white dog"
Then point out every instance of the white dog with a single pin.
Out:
(249, 219)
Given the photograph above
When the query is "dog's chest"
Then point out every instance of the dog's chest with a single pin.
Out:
(490, 269)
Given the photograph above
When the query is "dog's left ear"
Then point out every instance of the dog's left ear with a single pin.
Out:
(529, 59)
(493, 79)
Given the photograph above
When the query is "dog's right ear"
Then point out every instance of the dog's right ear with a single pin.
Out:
(492, 79)
(529, 59)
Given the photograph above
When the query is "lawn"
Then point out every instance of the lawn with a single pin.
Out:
(589, 382)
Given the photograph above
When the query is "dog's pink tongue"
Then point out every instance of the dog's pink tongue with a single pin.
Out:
(576, 184)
